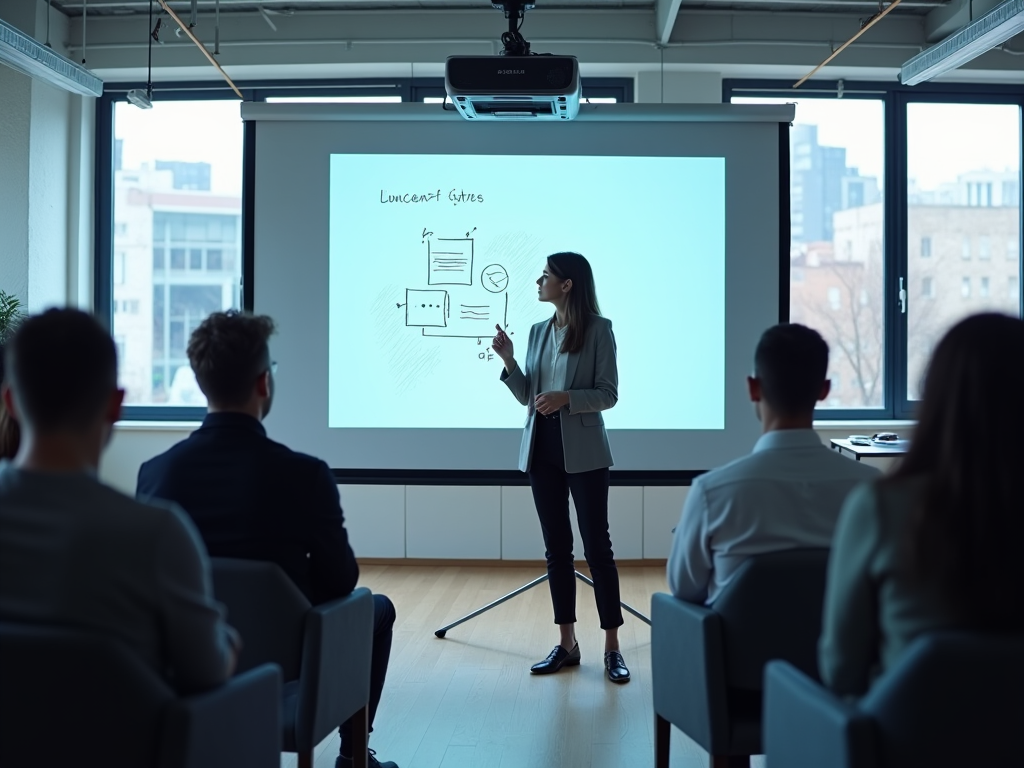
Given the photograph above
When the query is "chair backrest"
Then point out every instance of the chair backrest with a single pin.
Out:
(772, 610)
(75, 697)
(954, 699)
(266, 607)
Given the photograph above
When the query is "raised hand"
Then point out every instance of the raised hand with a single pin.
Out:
(502, 345)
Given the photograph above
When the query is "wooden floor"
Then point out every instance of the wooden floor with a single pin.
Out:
(469, 701)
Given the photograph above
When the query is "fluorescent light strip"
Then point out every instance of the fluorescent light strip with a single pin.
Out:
(994, 28)
(23, 53)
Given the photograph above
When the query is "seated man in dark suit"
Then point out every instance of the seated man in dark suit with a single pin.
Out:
(256, 499)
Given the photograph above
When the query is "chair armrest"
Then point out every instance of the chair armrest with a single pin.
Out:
(688, 671)
(335, 679)
(807, 726)
(238, 723)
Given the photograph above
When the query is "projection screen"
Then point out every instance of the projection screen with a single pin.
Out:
(388, 241)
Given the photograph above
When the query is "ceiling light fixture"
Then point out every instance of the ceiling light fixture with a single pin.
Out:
(993, 29)
(32, 58)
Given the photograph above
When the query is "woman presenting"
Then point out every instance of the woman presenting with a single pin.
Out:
(568, 378)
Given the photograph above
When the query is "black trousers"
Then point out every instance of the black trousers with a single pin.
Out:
(383, 625)
(551, 486)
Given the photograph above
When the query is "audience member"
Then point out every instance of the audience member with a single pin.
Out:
(256, 499)
(10, 433)
(77, 553)
(936, 545)
(786, 494)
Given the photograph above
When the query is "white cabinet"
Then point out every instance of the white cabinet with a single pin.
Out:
(457, 522)
(375, 519)
(662, 508)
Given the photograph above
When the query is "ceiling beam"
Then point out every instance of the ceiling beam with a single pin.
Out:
(665, 14)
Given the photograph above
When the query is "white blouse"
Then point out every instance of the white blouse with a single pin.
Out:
(552, 360)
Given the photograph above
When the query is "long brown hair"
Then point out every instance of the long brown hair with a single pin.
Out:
(969, 448)
(582, 304)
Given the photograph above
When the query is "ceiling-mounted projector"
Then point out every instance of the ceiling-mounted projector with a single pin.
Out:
(517, 84)
(514, 87)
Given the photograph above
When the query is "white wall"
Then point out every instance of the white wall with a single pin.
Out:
(458, 522)
(46, 149)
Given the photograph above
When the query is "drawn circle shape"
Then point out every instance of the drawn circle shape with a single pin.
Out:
(494, 278)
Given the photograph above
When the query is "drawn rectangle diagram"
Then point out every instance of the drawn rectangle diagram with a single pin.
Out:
(426, 309)
(450, 261)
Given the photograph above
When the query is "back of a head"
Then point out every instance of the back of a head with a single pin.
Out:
(968, 447)
(62, 369)
(228, 352)
(791, 362)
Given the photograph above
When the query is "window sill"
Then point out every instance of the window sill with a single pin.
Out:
(861, 423)
(135, 425)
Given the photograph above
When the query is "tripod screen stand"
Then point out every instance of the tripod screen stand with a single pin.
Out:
(541, 579)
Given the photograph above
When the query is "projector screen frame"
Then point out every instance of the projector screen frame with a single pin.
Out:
(252, 112)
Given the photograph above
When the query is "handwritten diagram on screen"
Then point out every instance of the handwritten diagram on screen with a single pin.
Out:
(429, 252)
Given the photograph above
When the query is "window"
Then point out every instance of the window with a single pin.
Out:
(928, 288)
(1013, 288)
(835, 299)
(926, 247)
(956, 194)
(183, 161)
(837, 222)
(1012, 249)
(119, 265)
(365, 99)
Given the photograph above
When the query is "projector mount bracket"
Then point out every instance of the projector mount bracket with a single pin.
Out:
(515, 11)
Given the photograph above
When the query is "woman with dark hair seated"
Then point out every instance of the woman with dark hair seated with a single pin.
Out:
(10, 433)
(936, 545)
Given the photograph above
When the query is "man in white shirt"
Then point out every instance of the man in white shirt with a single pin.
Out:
(786, 494)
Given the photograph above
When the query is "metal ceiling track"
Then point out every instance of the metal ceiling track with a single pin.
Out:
(994, 28)
(29, 56)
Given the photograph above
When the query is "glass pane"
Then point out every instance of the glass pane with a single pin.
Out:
(837, 159)
(177, 212)
(335, 99)
(963, 196)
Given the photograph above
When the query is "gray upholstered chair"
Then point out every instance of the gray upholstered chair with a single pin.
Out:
(69, 697)
(708, 661)
(955, 699)
(323, 651)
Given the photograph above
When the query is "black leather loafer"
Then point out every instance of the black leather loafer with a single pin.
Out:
(557, 659)
(615, 667)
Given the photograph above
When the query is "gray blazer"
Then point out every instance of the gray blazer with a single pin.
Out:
(592, 381)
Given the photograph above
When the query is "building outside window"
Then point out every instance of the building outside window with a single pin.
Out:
(177, 222)
(958, 193)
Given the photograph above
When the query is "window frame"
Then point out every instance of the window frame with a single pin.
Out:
(410, 90)
(895, 249)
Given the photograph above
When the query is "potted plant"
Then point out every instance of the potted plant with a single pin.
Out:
(11, 315)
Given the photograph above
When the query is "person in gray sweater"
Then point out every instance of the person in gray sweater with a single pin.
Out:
(75, 552)
(936, 545)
